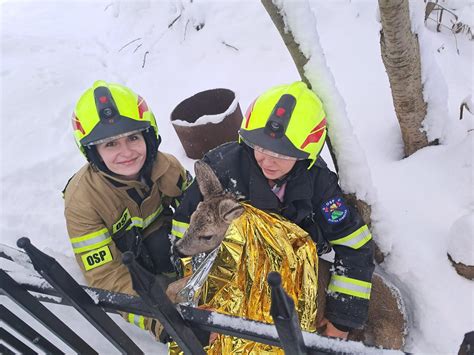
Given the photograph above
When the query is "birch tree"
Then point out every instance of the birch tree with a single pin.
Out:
(401, 57)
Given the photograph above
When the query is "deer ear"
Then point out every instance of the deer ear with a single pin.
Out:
(208, 182)
(230, 210)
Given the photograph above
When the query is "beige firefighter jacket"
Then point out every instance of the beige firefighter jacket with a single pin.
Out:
(97, 205)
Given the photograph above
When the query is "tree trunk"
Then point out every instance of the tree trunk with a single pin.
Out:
(401, 57)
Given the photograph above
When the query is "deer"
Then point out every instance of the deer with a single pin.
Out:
(387, 320)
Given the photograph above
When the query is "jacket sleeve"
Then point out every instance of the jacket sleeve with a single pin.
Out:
(98, 257)
(342, 227)
(184, 182)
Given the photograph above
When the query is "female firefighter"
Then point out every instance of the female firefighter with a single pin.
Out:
(122, 199)
(276, 167)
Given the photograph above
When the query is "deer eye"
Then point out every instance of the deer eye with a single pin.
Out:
(206, 237)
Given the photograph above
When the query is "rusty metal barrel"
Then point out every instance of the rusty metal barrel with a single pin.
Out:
(207, 120)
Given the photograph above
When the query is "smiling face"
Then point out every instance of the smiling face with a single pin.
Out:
(124, 156)
(273, 167)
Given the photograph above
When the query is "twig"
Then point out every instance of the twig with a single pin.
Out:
(144, 59)
(172, 22)
(136, 48)
(129, 43)
(185, 30)
(109, 5)
(229, 45)
(461, 109)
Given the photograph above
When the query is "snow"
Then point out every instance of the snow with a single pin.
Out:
(52, 51)
(461, 247)
(214, 119)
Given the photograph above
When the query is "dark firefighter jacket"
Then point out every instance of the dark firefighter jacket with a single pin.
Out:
(313, 200)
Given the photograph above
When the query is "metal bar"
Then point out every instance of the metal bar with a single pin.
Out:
(28, 332)
(60, 279)
(30, 304)
(217, 323)
(16, 343)
(285, 317)
(5, 351)
(148, 287)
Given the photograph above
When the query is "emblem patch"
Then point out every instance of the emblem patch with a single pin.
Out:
(122, 222)
(96, 258)
(334, 210)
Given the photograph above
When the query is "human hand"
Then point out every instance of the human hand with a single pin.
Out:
(330, 330)
(174, 288)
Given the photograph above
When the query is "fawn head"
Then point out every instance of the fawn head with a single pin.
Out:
(212, 217)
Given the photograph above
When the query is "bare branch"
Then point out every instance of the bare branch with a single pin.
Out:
(229, 45)
(129, 43)
(144, 59)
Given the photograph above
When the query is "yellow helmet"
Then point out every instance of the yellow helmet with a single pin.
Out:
(288, 120)
(106, 111)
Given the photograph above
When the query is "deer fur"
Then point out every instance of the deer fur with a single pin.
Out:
(212, 217)
(387, 321)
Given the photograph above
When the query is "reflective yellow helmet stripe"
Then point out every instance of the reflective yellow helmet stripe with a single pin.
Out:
(349, 286)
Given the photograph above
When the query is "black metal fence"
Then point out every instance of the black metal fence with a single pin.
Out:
(183, 326)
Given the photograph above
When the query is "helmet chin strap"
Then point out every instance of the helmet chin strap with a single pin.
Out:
(93, 157)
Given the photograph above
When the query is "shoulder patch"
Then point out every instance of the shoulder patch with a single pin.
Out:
(334, 210)
(96, 258)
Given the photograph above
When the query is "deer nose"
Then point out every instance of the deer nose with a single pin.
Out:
(176, 251)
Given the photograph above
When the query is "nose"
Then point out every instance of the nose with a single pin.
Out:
(266, 161)
(125, 149)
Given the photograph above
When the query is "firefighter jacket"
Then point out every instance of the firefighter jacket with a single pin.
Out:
(98, 207)
(313, 200)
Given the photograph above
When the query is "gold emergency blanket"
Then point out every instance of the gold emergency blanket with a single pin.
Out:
(255, 244)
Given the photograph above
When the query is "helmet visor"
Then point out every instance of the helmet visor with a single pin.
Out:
(120, 125)
(273, 154)
(110, 139)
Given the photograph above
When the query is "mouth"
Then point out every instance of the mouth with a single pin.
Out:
(128, 162)
(269, 171)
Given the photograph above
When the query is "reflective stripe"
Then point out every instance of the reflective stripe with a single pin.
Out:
(91, 241)
(139, 321)
(178, 228)
(187, 181)
(350, 286)
(356, 239)
(140, 223)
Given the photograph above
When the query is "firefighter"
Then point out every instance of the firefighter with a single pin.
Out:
(123, 198)
(276, 167)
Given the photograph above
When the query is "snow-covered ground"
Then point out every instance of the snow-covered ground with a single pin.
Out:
(52, 51)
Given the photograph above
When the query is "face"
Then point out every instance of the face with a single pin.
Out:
(272, 167)
(124, 156)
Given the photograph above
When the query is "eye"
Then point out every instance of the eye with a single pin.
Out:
(111, 144)
(206, 237)
(133, 137)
